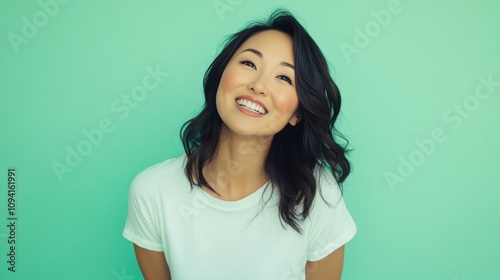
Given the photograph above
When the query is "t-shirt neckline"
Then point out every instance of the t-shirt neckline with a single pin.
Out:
(234, 205)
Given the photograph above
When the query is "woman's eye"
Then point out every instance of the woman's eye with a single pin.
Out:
(248, 63)
(281, 77)
(285, 78)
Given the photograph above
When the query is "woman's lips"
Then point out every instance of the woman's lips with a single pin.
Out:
(248, 111)
(254, 100)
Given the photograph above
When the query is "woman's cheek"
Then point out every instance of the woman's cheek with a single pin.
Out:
(230, 79)
(287, 103)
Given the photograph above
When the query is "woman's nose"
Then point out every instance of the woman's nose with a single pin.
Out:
(258, 86)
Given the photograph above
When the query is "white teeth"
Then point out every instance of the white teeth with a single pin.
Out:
(252, 106)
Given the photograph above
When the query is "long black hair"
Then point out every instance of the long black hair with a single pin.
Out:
(295, 151)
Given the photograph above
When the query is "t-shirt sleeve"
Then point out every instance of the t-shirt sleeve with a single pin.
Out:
(141, 225)
(331, 226)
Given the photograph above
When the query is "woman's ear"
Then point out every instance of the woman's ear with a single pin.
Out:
(294, 120)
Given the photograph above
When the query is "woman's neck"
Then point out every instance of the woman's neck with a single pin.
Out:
(237, 168)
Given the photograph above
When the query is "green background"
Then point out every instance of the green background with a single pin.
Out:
(442, 221)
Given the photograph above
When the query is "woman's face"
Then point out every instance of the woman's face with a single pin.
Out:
(257, 94)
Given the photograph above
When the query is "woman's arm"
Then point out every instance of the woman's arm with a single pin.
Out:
(152, 264)
(328, 268)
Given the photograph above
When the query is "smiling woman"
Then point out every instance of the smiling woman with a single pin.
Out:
(262, 151)
(260, 83)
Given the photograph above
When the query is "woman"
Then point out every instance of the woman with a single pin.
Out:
(262, 151)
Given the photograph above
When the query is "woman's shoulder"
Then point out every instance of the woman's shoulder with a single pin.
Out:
(324, 175)
(154, 177)
(327, 185)
(168, 165)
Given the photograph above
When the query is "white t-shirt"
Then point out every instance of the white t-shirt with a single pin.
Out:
(204, 237)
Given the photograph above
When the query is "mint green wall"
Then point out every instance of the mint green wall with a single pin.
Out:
(419, 110)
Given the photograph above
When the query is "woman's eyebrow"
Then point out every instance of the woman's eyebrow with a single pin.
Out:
(261, 56)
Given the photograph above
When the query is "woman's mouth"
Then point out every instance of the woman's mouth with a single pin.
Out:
(251, 106)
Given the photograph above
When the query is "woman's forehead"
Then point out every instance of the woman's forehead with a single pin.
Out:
(271, 42)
